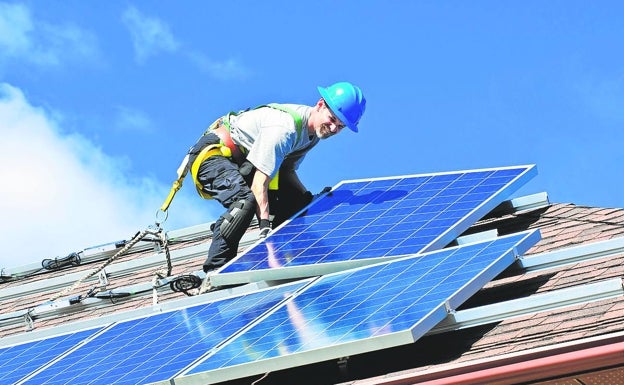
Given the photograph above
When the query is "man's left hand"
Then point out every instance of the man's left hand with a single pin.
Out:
(265, 228)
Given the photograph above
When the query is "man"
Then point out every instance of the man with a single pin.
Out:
(240, 155)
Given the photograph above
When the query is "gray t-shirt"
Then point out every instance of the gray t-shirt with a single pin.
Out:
(271, 138)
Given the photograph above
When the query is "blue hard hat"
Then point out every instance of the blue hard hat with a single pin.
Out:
(346, 101)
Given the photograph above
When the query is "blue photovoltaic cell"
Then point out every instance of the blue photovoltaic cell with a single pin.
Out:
(385, 217)
(370, 303)
(155, 348)
(21, 360)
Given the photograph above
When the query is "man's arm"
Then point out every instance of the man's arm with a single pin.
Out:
(260, 188)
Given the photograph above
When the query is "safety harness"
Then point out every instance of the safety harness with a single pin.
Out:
(226, 148)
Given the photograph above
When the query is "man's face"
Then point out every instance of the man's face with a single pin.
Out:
(329, 124)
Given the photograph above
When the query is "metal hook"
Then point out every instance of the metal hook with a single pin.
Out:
(166, 215)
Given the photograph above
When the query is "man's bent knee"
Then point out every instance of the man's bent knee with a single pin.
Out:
(237, 219)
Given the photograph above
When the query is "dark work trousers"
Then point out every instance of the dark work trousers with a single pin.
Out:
(222, 180)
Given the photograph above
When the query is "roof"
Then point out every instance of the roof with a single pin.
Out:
(574, 273)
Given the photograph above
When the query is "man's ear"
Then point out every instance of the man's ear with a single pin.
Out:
(320, 104)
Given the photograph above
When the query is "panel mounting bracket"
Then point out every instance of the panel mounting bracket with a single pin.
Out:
(343, 367)
(103, 278)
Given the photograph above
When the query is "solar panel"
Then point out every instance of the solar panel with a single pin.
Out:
(366, 221)
(19, 361)
(157, 347)
(364, 309)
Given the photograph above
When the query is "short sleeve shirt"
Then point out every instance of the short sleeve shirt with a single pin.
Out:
(270, 137)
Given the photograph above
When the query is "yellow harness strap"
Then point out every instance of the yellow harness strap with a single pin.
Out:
(174, 189)
(177, 184)
(214, 149)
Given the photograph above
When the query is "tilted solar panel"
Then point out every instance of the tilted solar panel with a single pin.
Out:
(21, 360)
(365, 309)
(156, 347)
(366, 221)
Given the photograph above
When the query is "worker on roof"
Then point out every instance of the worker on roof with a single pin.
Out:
(242, 154)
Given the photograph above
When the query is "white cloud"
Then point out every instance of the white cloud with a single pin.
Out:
(61, 193)
(150, 36)
(42, 43)
(15, 27)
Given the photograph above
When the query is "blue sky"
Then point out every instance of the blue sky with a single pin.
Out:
(99, 101)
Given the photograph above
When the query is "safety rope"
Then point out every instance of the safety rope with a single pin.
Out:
(140, 235)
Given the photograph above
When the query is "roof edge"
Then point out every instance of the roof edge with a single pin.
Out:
(535, 364)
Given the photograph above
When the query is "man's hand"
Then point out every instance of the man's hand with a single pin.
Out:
(326, 190)
(265, 228)
(259, 188)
